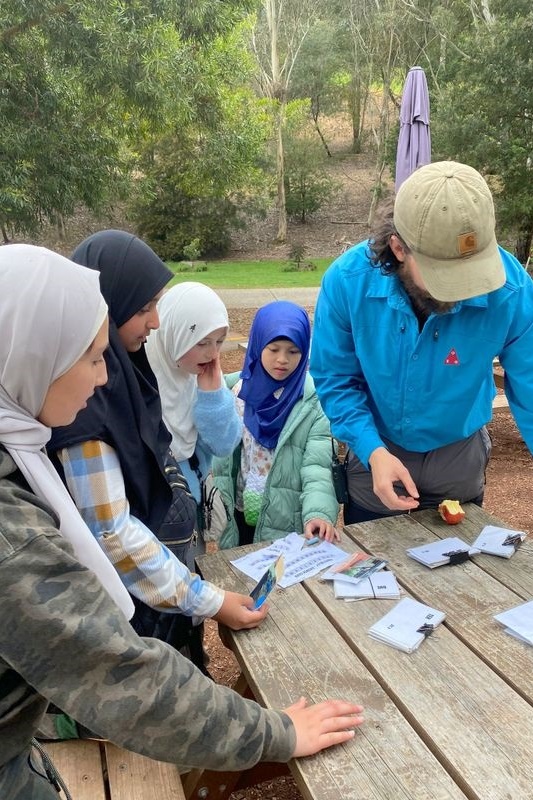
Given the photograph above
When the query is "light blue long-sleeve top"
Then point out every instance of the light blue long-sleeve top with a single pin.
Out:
(219, 432)
(378, 376)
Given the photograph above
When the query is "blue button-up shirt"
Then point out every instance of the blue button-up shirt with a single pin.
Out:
(378, 376)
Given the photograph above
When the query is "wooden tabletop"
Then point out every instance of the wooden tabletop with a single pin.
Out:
(452, 720)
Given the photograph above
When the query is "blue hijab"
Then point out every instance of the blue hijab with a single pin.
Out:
(264, 416)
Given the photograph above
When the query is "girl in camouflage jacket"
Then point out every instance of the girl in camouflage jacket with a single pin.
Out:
(65, 636)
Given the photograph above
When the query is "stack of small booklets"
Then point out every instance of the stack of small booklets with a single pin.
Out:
(499, 541)
(444, 551)
(382, 585)
(518, 621)
(406, 625)
(362, 577)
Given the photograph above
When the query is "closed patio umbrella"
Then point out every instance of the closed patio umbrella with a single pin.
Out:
(414, 140)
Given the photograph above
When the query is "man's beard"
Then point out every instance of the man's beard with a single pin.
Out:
(422, 301)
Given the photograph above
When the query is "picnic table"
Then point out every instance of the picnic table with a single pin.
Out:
(454, 719)
(98, 770)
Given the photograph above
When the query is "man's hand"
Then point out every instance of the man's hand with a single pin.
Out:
(211, 378)
(237, 612)
(387, 470)
(322, 529)
(323, 725)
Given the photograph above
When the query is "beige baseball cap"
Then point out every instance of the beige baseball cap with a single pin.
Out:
(445, 214)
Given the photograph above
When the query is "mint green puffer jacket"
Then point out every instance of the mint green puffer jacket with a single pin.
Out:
(299, 486)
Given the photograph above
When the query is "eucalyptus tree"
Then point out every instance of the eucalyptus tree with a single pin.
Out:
(317, 74)
(77, 79)
(280, 32)
(199, 177)
(484, 112)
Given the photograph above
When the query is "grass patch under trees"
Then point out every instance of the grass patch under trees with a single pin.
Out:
(251, 274)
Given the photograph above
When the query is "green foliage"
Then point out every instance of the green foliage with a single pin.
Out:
(484, 114)
(307, 184)
(316, 72)
(297, 253)
(192, 250)
(296, 260)
(195, 182)
(80, 78)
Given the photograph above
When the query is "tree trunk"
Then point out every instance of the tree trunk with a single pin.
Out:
(355, 113)
(315, 113)
(280, 169)
(524, 240)
(328, 151)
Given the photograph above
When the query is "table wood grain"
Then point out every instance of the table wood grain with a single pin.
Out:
(451, 720)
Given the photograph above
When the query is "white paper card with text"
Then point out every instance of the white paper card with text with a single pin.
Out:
(407, 624)
(443, 551)
(499, 541)
(380, 585)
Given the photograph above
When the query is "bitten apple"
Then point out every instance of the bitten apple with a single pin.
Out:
(451, 511)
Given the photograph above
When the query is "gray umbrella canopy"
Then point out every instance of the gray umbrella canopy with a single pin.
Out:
(414, 140)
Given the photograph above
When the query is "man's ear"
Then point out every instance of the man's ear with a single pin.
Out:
(396, 246)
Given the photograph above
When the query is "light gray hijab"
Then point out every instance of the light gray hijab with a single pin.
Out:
(50, 312)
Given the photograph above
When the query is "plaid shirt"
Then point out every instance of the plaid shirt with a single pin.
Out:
(147, 568)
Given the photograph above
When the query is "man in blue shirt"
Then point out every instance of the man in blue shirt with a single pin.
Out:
(406, 328)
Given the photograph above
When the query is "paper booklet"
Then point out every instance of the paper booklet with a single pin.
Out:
(445, 551)
(518, 621)
(380, 585)
(357, 567)
(499, 541)
(406, 625)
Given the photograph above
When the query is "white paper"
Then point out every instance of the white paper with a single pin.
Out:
(433, 554)
(400, 627)
(255, 564)
(301, 561)
(491, 540)
(310, 561)
(519, 621)
(379, 585)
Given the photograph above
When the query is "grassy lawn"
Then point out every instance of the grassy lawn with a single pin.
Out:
(251, 274)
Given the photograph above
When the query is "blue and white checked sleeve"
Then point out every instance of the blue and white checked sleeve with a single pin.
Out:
(147, 568)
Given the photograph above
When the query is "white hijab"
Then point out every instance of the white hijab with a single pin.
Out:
(50, 312)
(188, 313)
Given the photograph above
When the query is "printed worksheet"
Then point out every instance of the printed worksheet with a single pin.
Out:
(302, 561)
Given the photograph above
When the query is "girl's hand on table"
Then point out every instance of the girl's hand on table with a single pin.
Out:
(323, 725)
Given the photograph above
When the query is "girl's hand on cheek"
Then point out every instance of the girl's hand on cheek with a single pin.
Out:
(211, 378)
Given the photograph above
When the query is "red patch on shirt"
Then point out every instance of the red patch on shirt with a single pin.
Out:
(452, 358)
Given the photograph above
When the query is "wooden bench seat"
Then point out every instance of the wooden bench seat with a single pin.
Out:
(94, 770)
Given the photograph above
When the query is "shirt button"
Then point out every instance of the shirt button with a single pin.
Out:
(415, 357)
(410, 388)
(407, 420)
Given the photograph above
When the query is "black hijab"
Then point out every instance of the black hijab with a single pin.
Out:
(126, 412)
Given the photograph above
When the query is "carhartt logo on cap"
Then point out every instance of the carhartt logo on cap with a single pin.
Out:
(467, 243)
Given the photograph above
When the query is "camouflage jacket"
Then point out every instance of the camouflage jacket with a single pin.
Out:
(63, 640)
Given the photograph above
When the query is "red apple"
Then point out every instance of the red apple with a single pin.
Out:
(451, 512)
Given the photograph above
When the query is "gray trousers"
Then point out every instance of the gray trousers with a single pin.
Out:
(23, 778)
(456, 471)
